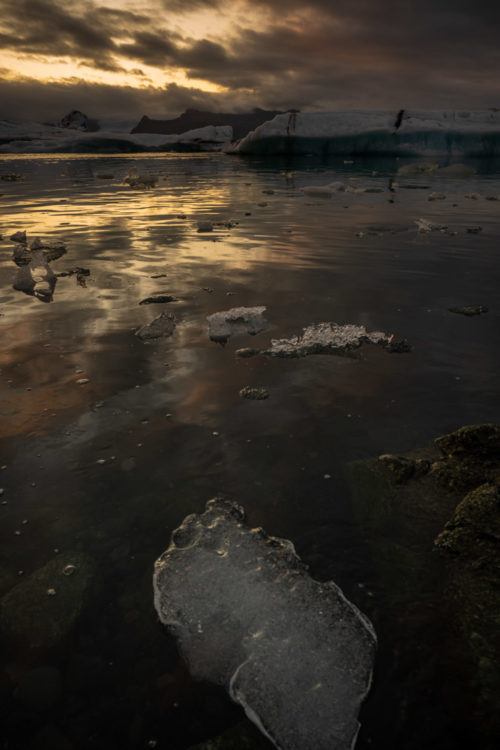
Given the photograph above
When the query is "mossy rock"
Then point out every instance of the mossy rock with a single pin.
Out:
(43, 607)
(443, 498)
(479, 440)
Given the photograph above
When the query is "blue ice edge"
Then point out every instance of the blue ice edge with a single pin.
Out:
(292, 651)
(428, 143)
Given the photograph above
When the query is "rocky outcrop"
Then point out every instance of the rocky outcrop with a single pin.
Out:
(432, 519)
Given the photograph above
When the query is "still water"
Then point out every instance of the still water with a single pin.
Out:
(107, 469)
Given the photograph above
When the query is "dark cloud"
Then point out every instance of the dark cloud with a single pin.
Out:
(327, 54)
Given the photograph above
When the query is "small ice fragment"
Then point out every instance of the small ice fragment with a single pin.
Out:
(221, 325)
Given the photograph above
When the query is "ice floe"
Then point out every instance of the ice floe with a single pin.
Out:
(295, 653)
(326, 338)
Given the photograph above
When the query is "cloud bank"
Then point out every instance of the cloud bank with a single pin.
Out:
(323, 54)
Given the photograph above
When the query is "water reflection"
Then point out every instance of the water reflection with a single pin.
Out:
(108, 467)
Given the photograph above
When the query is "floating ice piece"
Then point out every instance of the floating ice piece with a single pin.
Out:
(236, 320)
(51, 250)
(140, 181)
(436, 197)
(325, 191)
(326, 338)
(456, 170)
(162, 326)
(413, 170)
(295, 653)
(36, 278)
(427, 226)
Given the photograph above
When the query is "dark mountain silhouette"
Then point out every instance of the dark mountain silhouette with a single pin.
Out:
(195, 118)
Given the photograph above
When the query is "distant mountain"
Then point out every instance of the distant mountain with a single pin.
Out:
(195, 118)
(76, 120)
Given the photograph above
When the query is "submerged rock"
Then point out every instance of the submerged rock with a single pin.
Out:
(157, 299)
(162, 326)
(326, 338)
(40, 620)
(469, 310)
(221, 325)
(292, 651)
(37, 278)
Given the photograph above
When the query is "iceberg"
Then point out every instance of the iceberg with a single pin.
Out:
(382, 132)
(33, 137)
(294, 652)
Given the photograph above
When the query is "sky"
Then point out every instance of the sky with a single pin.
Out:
(126, 58)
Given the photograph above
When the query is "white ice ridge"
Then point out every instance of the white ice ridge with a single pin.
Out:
(407, 132)
(18, 136)
(327, 338)
(294, 652)
(236, 320)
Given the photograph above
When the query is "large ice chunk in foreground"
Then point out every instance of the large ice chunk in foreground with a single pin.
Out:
(292, 651)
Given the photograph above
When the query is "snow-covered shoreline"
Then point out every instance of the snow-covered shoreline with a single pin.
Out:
(18, 137)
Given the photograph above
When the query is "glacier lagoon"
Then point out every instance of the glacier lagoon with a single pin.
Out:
(109, 441)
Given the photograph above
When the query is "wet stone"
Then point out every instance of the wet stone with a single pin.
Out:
(254, 393)
(295, 653)
(401, 467)
(161, 327)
